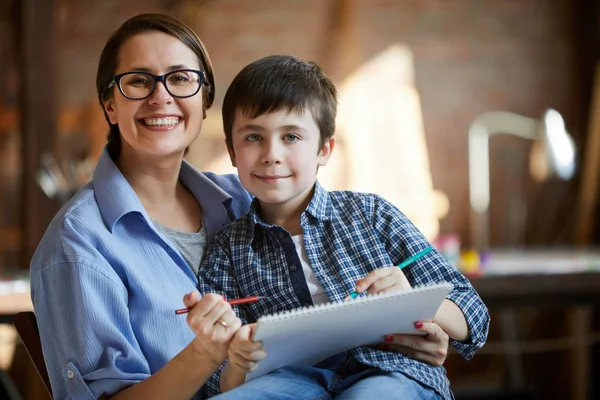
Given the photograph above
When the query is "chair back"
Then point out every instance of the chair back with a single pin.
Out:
(27, 329)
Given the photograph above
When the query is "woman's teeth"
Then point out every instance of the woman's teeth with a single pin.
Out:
(167, 121)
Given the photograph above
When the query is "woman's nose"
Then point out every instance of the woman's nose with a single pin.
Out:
(160, 95)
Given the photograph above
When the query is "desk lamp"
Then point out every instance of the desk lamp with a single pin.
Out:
(552, 155)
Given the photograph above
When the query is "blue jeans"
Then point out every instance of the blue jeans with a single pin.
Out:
(334, 378)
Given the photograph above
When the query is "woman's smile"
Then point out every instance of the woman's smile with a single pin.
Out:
(161, 121)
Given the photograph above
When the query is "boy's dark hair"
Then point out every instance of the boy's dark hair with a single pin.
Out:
(281, 82)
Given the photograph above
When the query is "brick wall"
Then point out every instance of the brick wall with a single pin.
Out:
(470, 56)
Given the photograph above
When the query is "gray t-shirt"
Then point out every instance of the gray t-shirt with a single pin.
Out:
(192, 246)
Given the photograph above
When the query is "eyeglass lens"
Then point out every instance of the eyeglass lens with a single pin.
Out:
(138, 85)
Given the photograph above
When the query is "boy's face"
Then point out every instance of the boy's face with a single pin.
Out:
(277, 156)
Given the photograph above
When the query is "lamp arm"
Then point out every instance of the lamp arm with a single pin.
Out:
(484, 126)
(497, 122)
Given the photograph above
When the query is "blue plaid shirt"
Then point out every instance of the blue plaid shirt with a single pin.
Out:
(346, 236)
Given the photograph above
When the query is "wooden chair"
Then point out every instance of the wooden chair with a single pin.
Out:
(27, 329)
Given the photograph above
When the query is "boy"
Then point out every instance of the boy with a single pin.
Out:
(300, 245)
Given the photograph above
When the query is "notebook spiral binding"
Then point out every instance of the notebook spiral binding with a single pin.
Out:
(325, 307)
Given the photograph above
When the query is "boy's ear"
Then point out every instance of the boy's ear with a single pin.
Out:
(231, 153)
(110, 111)
(326, 151)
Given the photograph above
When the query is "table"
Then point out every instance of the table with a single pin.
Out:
(14, 293)
(534, 290)
(579, 292)
(13, 303)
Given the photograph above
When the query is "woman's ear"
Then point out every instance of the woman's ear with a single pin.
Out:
(110, 111)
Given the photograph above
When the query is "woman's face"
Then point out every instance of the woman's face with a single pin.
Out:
(160, 125)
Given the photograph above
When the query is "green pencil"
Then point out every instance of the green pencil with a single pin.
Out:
(404, 263)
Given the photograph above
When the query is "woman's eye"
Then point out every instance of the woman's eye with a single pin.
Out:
(290, 138)
(138, 80)
(179, 77)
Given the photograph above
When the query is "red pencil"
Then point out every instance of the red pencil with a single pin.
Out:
(251, 299)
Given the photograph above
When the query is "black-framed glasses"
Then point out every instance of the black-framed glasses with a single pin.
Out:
(181, 83)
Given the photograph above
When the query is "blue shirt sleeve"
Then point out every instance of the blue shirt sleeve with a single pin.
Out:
(402, 239)
(86, 331)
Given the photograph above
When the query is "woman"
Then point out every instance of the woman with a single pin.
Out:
(117, 259)
(115, 262)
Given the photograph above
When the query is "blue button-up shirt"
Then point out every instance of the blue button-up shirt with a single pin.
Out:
(105, 283)
(346, 236)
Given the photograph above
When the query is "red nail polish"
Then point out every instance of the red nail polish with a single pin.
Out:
(388, 339)
(418, 325)
(224, 298)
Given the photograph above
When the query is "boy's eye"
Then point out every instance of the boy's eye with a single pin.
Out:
(290, 138)
(253, 138)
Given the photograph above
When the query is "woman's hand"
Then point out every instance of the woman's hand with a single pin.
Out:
(213, 322)
(383, 280)
(244, 353)
(431, 349)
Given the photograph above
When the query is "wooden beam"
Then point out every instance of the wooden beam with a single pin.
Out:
(341, 46)
(586, 20)
(39, 105)
(590, 175)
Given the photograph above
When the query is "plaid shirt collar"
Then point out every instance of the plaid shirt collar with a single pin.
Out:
(319, 208)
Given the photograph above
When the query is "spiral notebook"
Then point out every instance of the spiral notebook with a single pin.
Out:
(306, 336)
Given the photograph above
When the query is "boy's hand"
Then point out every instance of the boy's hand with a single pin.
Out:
(243, 352)
(383, 280)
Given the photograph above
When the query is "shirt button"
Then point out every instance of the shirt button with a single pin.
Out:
(293, 267)
(70, 374)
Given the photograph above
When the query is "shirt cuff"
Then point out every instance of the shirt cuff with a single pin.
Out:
(478, 322)
(76, 386)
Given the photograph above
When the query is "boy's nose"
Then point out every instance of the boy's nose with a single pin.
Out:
(271, 154)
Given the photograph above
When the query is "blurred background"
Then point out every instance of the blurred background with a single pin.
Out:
(415, 77)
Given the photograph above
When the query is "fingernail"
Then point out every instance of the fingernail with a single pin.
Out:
(388, 339)
(224, 298)
(418, 325)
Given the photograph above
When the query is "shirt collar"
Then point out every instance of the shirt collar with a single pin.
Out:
(116, 197)
(113, 193)
(320, 204)
(319, 207)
